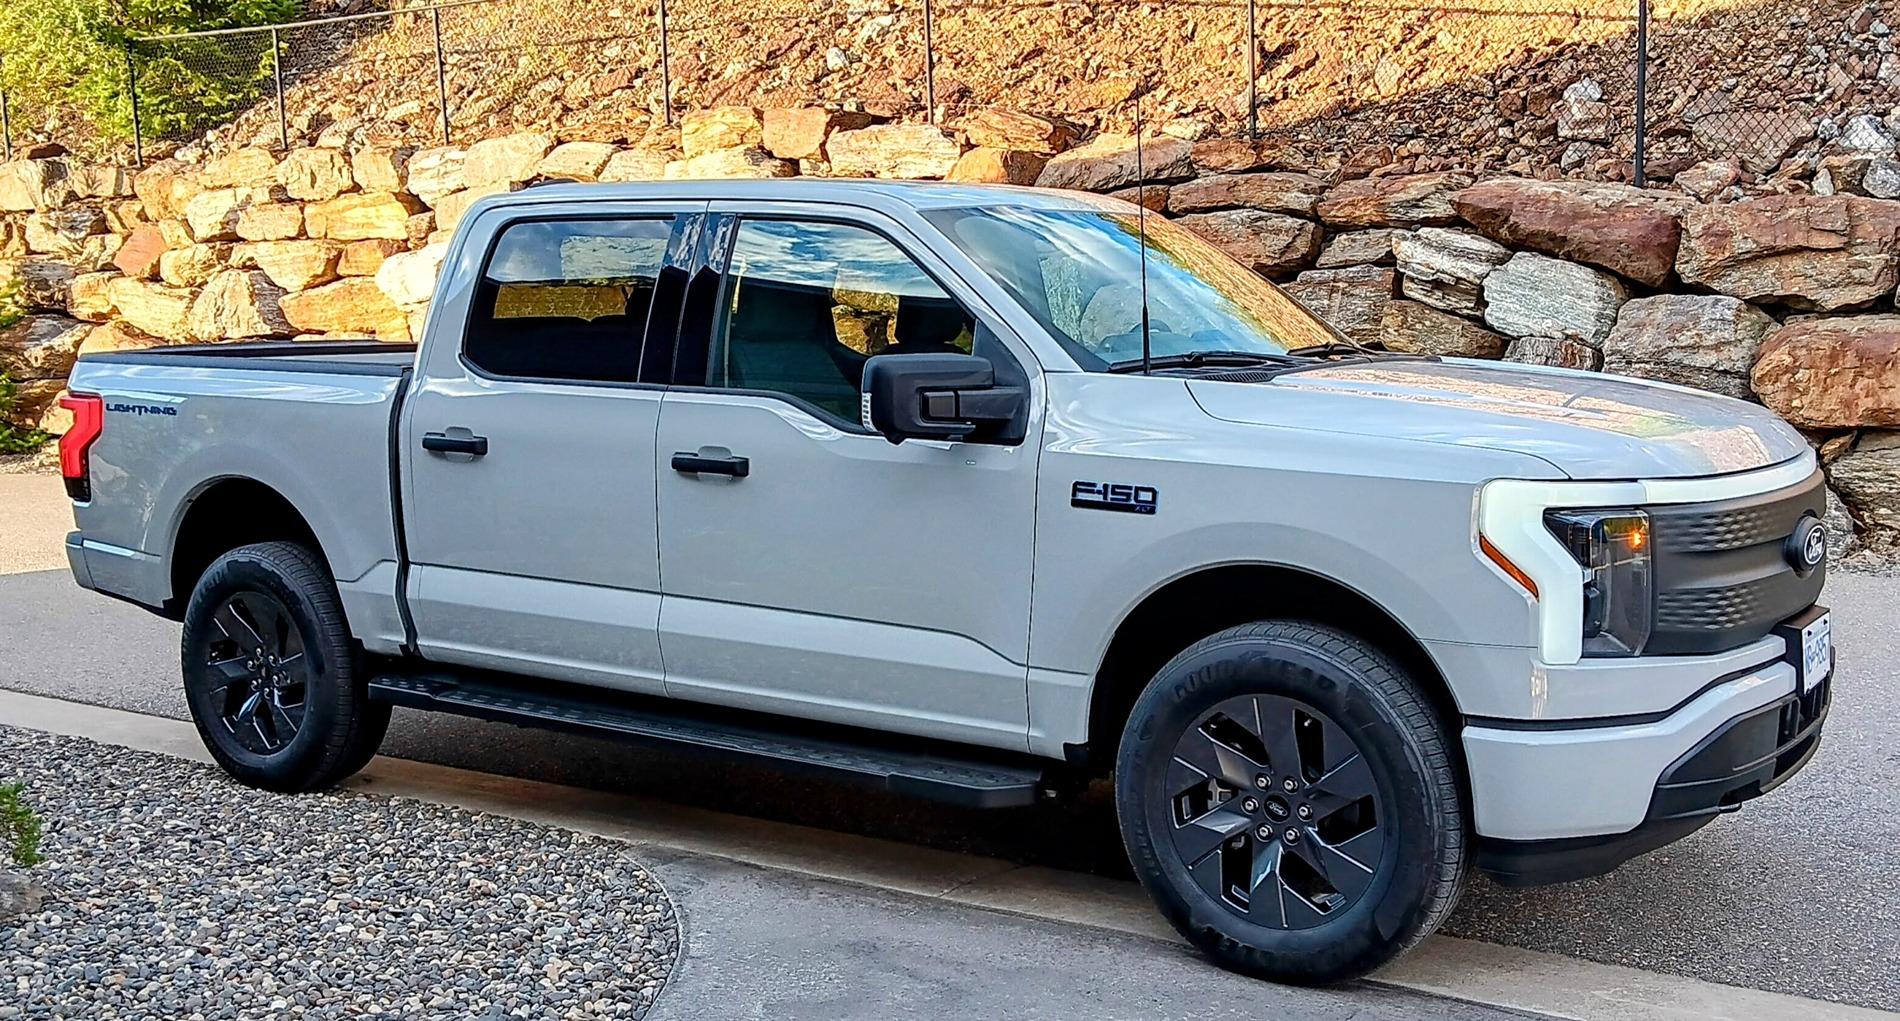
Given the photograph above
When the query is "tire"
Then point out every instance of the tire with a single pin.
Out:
(1366, 786)
(271, 673)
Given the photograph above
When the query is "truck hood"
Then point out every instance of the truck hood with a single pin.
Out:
(1586, 424)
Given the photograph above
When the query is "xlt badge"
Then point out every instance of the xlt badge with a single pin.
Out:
(1114, 496)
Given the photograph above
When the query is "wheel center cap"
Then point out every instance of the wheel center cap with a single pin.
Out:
(1277, 809)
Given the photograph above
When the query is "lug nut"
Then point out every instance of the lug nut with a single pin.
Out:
(1250, 805)
(1292, 836)
(1265, 832)
(1305, 811)
(1290, 784)
(1261, 781)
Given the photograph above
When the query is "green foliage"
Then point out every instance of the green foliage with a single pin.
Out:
(19, 827)
(13, 439)
(73, 53)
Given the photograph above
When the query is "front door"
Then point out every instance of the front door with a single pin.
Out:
(812, 567)
(529, 452)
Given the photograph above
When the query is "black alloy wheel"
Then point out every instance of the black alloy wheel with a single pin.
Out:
(1275, 811)
(255, 672)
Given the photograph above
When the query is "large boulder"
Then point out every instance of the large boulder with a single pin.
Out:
(1276, 193)
(62, 232)
(117, 336)
(140, 255)
(153, 308)
(1360, 248)
(998, 166)
(250, 167)
(1629, 231)
(1445, 268)
(1352, 299)
(291, 265)
(577, 161)
(381, 167)
(364, 258)
(730, 163)
(270, 221)
(26, 185)
(800, 133)
(1409, 200)
(1832, 373)
(409, 279)
(351, 305)
(1534, 295)
(1000, 128)
(45, 284)
(634, 165)
(92, 296)
(164, 188)
(1559, 352)
(508, 160)
(41, 347)
(893, 150)
(1708, 341)
(193, 265)
(1108, 162)
(316, 175)
(1272, 244)
(450, 209)
(1416, 328)
(238, 305)
(213, 215)
(1868, 478)
(720, 127)
(101, 181)
(361, 216)
(1815, 252)
(433, 173)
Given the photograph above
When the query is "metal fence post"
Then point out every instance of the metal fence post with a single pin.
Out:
(6, 121)
(930, 62)
(277, 72)
(1253, 73)
(666, 69)
(1642, 88)
(132, 87)
(441, 72)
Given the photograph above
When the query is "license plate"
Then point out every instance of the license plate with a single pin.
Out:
(1817, 653)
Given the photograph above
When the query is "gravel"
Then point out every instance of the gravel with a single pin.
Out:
(175, 893)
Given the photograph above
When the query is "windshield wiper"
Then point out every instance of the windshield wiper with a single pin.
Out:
(1196, 359)
(1337, 347)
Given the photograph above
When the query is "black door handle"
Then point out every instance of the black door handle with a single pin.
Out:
(693, 464)
(443, 443)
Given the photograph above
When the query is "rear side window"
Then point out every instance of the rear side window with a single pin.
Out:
(568, 300)
(808, 303)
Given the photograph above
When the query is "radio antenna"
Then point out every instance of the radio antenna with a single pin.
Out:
(1141, 231)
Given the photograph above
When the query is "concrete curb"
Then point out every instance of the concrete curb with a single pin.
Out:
(1483, 973)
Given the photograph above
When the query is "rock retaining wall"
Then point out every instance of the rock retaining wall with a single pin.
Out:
(1787, 299)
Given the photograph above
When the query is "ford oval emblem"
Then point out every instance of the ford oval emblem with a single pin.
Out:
(1807, 547)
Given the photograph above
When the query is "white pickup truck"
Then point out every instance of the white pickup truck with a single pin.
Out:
(978, 493)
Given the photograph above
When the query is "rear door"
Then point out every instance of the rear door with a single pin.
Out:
(528, 445)
(838, 576)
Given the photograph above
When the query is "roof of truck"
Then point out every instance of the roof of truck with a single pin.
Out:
(848, 191)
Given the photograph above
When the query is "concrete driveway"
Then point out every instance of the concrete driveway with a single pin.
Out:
(1795, 894)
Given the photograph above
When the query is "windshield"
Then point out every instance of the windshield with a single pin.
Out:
(1078, 272)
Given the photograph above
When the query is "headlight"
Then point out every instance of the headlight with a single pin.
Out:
(1613, 547)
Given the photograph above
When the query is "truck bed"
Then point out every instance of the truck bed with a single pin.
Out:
(309, 425)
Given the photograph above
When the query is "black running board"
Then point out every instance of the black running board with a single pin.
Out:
(941, 777)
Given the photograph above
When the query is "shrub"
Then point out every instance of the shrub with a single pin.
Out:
(19, 827)
(72, 53)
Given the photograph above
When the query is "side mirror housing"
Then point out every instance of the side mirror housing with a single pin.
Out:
(940, 396)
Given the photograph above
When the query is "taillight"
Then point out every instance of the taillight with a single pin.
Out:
(75, 447)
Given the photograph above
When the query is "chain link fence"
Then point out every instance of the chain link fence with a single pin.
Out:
(1604, 86)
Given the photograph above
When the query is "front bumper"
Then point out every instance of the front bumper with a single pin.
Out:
(1583, 776)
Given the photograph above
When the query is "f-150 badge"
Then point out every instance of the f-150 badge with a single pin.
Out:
(1114, 496)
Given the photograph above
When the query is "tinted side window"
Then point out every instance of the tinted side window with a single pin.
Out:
(807, 304)
(567, 299)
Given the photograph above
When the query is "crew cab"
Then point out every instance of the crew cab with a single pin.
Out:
(981, 493)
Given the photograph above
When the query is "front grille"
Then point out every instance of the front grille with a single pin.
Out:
(1721, 571)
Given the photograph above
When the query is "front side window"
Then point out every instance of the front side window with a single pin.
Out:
(807, 304)
(567, 300)
(1078, 272)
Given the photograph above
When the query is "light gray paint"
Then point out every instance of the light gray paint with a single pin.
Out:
(940, 589)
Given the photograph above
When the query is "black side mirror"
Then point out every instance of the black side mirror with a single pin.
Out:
(939, 396)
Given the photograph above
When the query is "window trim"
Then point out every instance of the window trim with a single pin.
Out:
(682, 231)
(720, 262)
